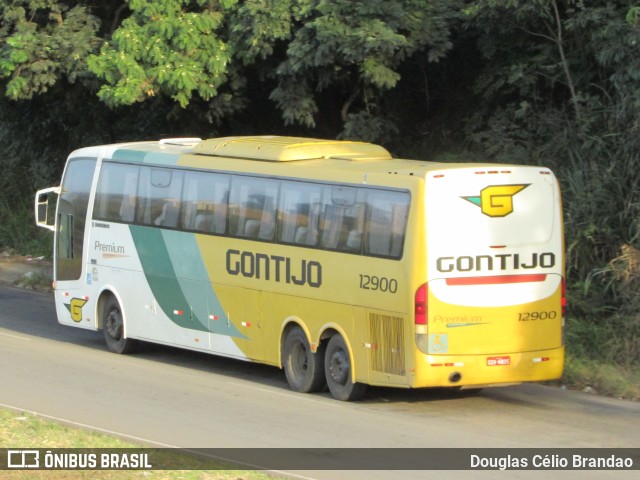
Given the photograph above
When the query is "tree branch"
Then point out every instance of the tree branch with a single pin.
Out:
(116, 17)
(344, 111)
(565, 64)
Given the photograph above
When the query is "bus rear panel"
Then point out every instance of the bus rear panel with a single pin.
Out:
(491, 309)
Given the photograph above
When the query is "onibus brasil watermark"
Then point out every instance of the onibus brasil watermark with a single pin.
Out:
(80, 460)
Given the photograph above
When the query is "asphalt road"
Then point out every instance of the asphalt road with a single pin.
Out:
(169, 397)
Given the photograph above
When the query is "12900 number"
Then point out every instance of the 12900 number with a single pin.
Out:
(532, 316)
(381, 284)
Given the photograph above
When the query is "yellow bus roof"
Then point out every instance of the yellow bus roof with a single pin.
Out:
(288, 149)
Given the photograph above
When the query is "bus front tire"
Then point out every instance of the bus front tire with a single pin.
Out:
(337, 366)
(303, 368)
(113, 328)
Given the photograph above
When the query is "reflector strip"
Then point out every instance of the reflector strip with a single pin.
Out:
(246, 324)
(177, 312)
(540, 359)
(484, 172)
(497, 279)
(213, 317)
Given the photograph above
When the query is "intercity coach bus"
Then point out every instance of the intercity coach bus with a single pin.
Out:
(329, 259)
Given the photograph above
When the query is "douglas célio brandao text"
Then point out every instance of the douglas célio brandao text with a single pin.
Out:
(550, 461)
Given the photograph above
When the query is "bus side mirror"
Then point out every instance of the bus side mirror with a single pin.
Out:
(45, 207)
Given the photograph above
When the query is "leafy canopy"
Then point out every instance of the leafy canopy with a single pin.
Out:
(41, 42)
(165, 47)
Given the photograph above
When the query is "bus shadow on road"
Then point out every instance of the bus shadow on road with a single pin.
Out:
(267, 375)
(274, 377)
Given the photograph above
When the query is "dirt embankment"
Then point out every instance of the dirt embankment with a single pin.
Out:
(25, 271)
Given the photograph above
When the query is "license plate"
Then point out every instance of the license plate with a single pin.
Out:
(498, 361)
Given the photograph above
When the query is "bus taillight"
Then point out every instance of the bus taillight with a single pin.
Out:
(420, 318)
(421, 305)
(563, 302)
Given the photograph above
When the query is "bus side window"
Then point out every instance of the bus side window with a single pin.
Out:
(252, 207)
(386, 223)
(299, 213)
(204, 202)
(331, 226)
(197, 202)
(354, 226)
(159, 202)
(343, 220)
(116, 193)
(169, 214)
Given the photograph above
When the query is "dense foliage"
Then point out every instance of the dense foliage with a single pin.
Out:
(553, 82)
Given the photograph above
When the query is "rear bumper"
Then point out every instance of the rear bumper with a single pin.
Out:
(483, 370)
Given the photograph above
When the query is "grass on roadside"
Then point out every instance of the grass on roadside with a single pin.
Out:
(602, 378)
(35, 281)
(24, 430)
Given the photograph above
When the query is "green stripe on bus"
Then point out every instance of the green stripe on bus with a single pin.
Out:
(138, 156)
(174, 269)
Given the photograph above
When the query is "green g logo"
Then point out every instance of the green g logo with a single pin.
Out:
(496, 200)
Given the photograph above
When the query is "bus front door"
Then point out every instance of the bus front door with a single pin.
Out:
(70, 244)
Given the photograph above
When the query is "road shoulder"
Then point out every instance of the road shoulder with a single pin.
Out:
(34, 273)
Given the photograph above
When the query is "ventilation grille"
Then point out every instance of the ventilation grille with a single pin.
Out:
(387, 344)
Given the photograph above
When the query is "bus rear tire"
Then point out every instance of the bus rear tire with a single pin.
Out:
(337, 366)
(113, 328)
(303, 368)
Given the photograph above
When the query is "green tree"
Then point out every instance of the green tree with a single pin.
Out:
(43, 42)
(560, 85)
(554, 64)
(168, 47)
(338, 56)
(347, 54)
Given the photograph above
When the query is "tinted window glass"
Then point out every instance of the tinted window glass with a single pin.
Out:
(204, 202)
(72, 214)
(159, 191)
(333, 217)
(299, 213)
(116, 193)
(252, 207)
(386, 223)
(342, 219)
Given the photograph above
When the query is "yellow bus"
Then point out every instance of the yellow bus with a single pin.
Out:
(329, 259)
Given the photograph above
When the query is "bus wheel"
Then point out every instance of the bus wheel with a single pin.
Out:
(113, 327)
(303, 368)
(337, 366)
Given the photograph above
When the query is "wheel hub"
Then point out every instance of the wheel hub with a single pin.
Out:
(114, 325)
(339, 367)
